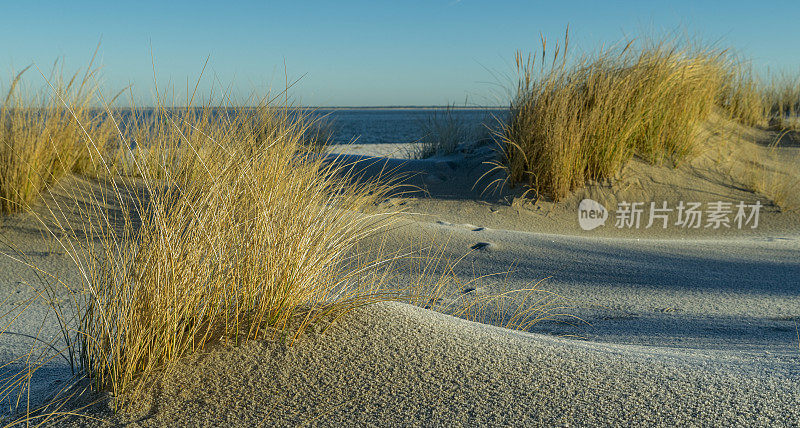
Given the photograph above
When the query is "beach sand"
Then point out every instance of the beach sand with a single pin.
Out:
(395, 364)
(661, 326)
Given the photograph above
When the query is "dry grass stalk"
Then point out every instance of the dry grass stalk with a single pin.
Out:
(775, 178)
(782, 101)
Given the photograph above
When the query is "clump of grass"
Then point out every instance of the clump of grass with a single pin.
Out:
(318, 132)
(782, 101)
(779, 187)
(742, 97)
(777, 179)
(230, 231)
(583, 119)
(772, 102)
(41, 138)
(226, 229)
(239, 236)
(442, 132)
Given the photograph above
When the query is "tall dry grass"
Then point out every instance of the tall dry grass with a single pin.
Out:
(578, 119)
(41, 135)
(444, 129)
(243, 232)
(211, 223)
(230, 230)
(442, 132)
(779, 187)
(770, 101)
(742, 96)
(318, 131)
(774, 175)
(782, 101)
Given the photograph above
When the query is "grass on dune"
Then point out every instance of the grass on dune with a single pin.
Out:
(318, 131)
(230, 228)
(573, 121)
(779, 187)
(772, 102)
(239, 230)
(442, 132)
(239, 236)
(782, 101)
(41, 137)
(775, 178)
(584, 118)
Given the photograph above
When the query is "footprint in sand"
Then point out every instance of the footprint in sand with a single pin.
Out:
(482, 246)
(443, 165)
(435, 178)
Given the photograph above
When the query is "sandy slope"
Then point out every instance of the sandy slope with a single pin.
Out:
(394, 364)
(679, 327)
(462, 188)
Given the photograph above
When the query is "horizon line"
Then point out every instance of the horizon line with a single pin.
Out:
(309, 107)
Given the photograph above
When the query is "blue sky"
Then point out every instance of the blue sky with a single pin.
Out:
(361, 52)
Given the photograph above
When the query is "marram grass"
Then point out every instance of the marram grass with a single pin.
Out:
(41, 136)
(584, 118)
(228, 228)
(231, 229)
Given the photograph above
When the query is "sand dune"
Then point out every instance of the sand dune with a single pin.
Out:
(394, 364)
(676, 327)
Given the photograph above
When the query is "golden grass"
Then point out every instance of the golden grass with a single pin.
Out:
(242, 232)
(229, 227)
(777, 179)
(41, 136)
(779, 187)
(583, 119)
(773, 101)
(782, 101)
(742, 97)
(239, 230)
(318, 131)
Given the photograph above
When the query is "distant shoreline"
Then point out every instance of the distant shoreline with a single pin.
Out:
(406, 107)
(459, 108)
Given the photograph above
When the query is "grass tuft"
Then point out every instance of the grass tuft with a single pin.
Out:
(211, 223)
(41, 136)
(583, 119)
(442, 132)
(226, 228)
(782, 101)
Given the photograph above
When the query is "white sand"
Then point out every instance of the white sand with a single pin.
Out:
(394, 364)
(682, 328)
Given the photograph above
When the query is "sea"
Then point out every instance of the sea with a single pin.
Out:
(380, 125)
(404, 125)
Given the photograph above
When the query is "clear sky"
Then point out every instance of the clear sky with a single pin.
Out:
(361, 52)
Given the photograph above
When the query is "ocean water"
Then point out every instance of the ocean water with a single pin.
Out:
(380, 126)
(372, 125)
